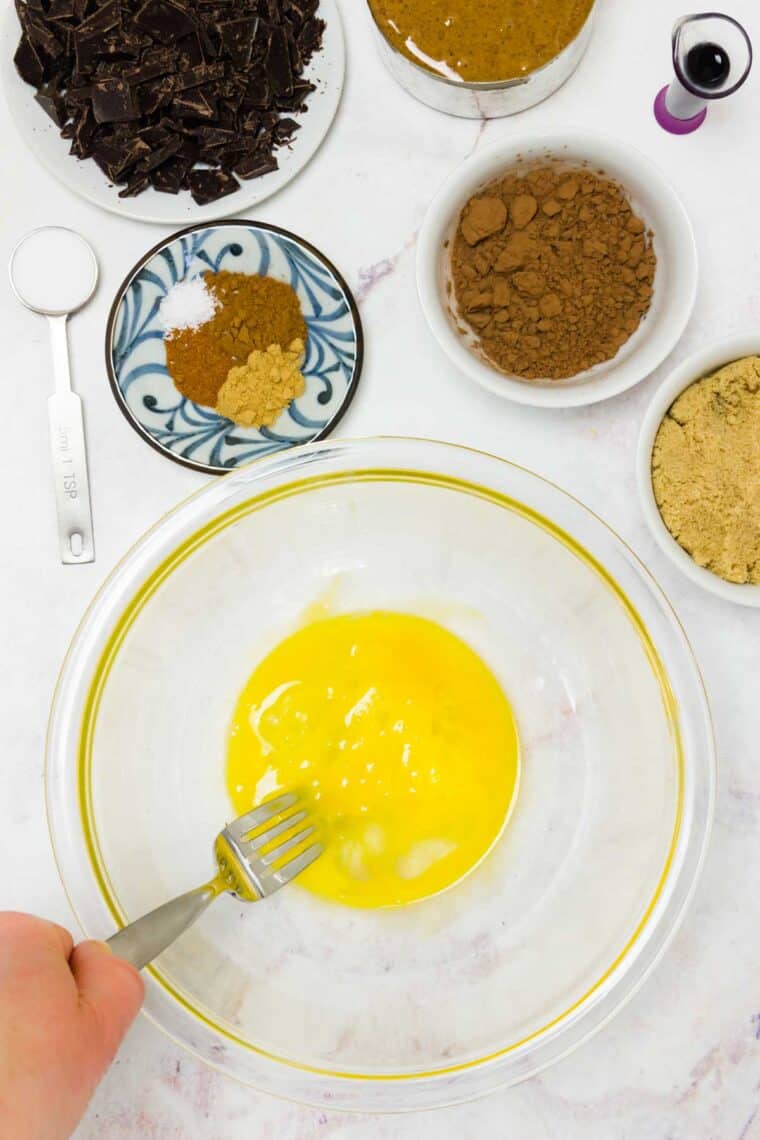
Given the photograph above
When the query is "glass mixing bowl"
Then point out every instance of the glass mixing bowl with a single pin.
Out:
(492, 980)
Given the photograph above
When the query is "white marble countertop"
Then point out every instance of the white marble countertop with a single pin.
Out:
(682, 1061)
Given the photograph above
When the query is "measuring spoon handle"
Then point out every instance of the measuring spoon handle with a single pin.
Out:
(72, 488)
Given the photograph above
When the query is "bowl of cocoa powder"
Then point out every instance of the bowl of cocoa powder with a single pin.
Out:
(557, 271)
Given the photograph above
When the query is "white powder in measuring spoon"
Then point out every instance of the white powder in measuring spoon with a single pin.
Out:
(53, 270)
(188, 305)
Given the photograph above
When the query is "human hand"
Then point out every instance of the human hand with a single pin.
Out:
(63, 1014)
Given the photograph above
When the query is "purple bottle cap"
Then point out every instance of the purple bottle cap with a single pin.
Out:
(670, 123)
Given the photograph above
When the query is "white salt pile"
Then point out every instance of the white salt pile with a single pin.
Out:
(188, 305)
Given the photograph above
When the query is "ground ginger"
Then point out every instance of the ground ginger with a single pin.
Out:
(255, 393)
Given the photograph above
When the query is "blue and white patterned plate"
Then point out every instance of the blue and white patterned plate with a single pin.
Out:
(136, 354)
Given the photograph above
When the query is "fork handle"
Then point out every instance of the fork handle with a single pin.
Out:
(143, 940)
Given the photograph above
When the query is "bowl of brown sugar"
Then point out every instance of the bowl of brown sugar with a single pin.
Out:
(699, 468)
(557, 271)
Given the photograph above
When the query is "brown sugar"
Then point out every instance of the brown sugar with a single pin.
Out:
(706, 471)
(552, 269)
(253, 312)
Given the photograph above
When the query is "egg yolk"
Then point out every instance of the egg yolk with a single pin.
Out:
(401, 740)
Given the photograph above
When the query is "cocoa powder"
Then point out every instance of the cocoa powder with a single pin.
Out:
(552, 269)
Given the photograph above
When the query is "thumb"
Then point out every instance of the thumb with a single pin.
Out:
(111, 990)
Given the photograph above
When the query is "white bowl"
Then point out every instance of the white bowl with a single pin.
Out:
(699, 364)
(675, 281)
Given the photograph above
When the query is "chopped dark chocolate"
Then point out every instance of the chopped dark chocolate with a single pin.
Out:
(279, 70)
(84, 129)
(136, 184)
(255, 165)
(170, 176)
(45, 36)
(258, 92)
(238, 36)
(153, 65)
(112, 159)
(113, 102)
(165, 20)
(309, 40)
(103, 19)
(52, 104)
(88, 49)
(190, 50)
(209, 185)
(195, 105)
(29, 63)
(296, 101)
(161, 153)
(61, 10)
(155, 96)
(76, 96)
(150, 89)
(210, 137)
(284, 129)
(203, 73)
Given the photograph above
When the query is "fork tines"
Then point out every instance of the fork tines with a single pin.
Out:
(261, 815)
(255, 834)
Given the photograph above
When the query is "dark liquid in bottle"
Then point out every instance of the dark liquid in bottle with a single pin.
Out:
(707, 65)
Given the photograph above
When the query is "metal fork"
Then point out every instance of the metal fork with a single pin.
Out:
(255, 856)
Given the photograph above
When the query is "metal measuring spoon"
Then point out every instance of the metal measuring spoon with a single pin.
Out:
(54, 272)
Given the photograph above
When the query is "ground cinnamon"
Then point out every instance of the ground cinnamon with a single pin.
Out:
(252, 313)
(552, 269)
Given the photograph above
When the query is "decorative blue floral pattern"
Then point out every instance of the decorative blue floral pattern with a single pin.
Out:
(196, 435)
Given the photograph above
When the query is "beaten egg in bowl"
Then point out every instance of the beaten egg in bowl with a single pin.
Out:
(401, 738)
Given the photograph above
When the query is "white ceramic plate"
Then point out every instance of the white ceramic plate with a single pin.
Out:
(675, 281)
(198, 436)
(327, 71)
(699, 364)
